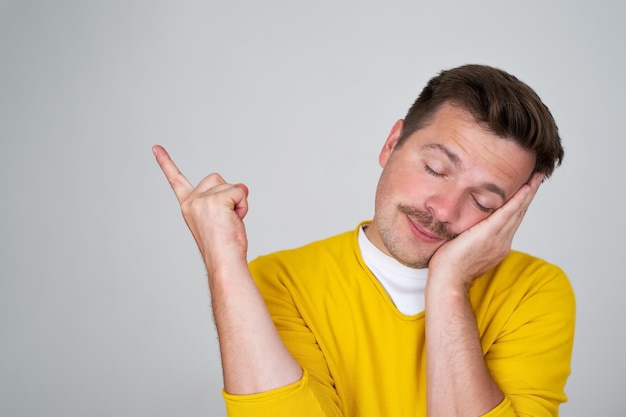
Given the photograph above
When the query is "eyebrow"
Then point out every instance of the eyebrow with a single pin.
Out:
(456, 161)
(454, 158)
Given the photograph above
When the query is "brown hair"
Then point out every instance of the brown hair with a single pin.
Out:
(496, 99)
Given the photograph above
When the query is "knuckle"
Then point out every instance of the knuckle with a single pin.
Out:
(216, 178)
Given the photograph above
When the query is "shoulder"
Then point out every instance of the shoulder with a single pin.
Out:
(523, 279)
(522, 269)
(309, 272)
(316, 258)
(307, 253)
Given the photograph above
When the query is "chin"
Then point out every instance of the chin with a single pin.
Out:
(412, 261)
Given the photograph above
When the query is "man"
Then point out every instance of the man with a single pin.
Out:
(424, 310)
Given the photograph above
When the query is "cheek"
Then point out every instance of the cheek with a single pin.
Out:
(470, 217)
(414, 180)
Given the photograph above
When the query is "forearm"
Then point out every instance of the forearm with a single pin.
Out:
(458, 380)
(459, 383)
(254, 358)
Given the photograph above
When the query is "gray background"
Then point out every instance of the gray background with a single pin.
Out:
(104, 308)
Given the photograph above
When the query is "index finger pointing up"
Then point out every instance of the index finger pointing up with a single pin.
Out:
(181, 186)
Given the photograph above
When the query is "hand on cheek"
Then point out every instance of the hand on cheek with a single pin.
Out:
(481, 247)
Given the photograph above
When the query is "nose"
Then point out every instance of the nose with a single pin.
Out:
(445, 206)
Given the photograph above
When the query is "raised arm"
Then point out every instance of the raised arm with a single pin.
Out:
(254, 358)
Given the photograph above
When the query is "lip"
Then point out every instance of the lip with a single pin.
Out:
(421, 233)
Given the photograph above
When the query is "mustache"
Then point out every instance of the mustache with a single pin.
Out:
(428, 221)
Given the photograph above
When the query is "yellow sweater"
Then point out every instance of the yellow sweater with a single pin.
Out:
(363, 358)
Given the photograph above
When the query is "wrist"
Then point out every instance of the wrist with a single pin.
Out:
(228, 269)
(448, 282)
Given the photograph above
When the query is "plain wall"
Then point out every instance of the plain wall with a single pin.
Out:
(104, 309)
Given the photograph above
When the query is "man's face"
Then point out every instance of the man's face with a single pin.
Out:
(444, 179)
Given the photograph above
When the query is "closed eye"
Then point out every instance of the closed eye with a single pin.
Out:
(481, 207)
(433, 172)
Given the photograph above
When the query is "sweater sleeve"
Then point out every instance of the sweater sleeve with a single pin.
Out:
(530, 358)
(314, 395)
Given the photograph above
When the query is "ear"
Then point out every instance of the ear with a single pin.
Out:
(391, 142)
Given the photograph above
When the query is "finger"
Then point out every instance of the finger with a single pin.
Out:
(535, 182)
(237, 194)
(524, 196)
(212, 181)
(181, 186)
(216, 182)
(241, 208)
(244, 187)
(529, 192)
(513, 212)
